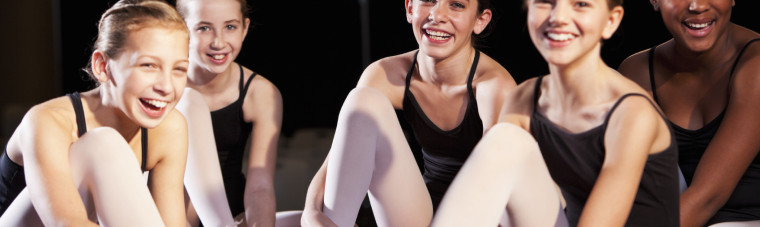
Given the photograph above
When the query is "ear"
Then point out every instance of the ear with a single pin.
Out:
(613, 22)
(99, 65)
(482, 21)
(733, 3)
(246, 24)
(408, 9)
(655, 4)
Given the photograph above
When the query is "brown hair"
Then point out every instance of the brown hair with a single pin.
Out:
(244, 9)
(127, 16)
(610, 3)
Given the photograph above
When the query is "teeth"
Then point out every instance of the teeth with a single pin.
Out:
(560, 36)
(218, 56)
(436, 35)
(698, 26)
(156, 103)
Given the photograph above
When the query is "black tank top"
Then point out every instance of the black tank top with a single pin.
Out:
(574, 161)
(231, 134)
(443, 152)
(744, 203)
(12, 177)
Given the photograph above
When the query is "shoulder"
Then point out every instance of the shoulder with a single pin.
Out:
(45, 125)
(388, 70)
(261, 86)
(636, 121)
(636, 68)
(518, 104)
(58, 113)
(492, 76)
(388, 75)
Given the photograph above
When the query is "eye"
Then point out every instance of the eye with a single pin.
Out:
(543, 2)
(181, 69)
(428, 1)
(149, 65)
(457, 5)
(582, 4)
(230, 27)
(203, 28)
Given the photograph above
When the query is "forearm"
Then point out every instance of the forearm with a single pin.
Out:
(697, 210)
(315, 194)
(260, 207)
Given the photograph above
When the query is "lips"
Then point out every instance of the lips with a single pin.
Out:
(153, 107)
(437, 36)
(698, 27)
(559, 38)
(218, 58)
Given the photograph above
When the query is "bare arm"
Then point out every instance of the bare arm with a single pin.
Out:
(634, 131)
(315, 197)
(265, 112)
(169, 140)
(44, 137)
(730, 152)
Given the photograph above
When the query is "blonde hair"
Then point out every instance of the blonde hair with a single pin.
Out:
(127, 16)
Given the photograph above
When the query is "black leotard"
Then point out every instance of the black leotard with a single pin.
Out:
(574, 161)
(744, 203)
(231, 133)
(443, 152)
(12, 179)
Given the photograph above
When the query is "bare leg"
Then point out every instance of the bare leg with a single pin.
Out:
(370, 152)
(506, 169)
(203, 176)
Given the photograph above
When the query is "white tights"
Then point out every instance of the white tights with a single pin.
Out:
(203, 176)
(506, 169)
(109, 180)
(369, 153)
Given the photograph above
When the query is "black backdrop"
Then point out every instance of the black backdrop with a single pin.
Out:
(312, 50)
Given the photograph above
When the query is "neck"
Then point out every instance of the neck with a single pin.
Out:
(580, 82)
(721, 53)
(204, 81)
(449, 71)
(107, 113)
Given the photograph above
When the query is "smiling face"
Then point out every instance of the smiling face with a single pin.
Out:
(696, 25)
(148, 76)
(217, 30)
(565, 31)
(442, 27)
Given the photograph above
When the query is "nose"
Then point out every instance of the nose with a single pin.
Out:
(560, 14)
(439, 13)
(218, 42)
(698, 6)
(163, 83)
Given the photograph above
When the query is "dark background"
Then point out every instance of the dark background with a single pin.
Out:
(312, 50)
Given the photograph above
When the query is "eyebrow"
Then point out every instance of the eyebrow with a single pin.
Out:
(226, 22)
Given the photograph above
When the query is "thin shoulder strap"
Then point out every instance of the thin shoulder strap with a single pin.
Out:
(736, 62)
(76, 101)
(410, 72)
(620, 100)
(472, 74)
(144, 148)
(244, 90)
(651, 73)
(536, 91)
